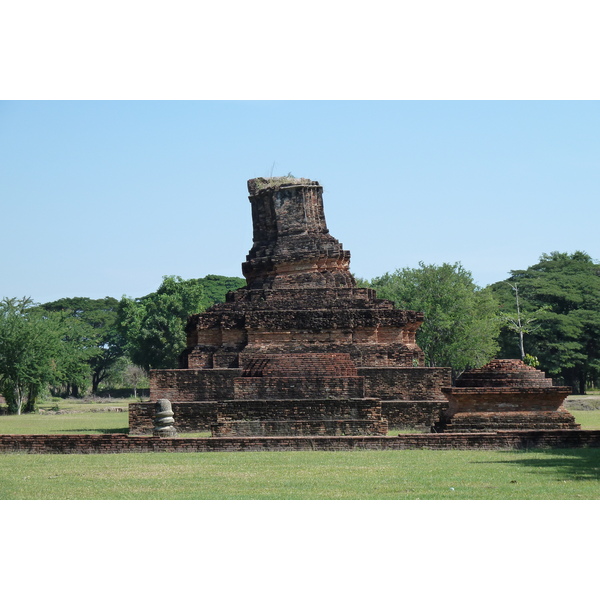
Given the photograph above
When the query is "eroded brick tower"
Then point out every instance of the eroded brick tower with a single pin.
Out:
(300, 350)
(300, 294)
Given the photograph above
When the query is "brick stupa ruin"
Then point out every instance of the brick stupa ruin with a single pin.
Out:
(301, 350)
(505, 394)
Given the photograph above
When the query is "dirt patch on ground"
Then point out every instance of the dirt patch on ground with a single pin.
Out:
(43, 411)
(587, 402)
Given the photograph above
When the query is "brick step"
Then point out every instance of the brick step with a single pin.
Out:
(301, 364)
(298, 428)
(464, 428)
(557, 416)
(300, 409)
(248, 388)
(560, 419)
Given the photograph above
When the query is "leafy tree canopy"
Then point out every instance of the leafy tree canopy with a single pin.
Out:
(563, 292)
(33, 352)
(216, 286)
(461, 324)
(153, 326)
(95, 329)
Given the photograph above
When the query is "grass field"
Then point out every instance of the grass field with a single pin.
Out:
(384, 475)
(409, 474)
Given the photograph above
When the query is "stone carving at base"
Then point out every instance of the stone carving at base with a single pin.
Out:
(163, 419)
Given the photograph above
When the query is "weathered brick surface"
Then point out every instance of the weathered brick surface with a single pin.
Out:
(269, 417)
(505, 399)
(503, 372)
(298, 387)
(200, 416)
(300, 365)
(303, 410)
(203, 416)
(188, 416)
(114, 444)
(187, 385)
(301, 329)
(266, 428)
(300, 297)
(413, 415)
(505, 394)
(408, 384)
(486, 421)
(292, 245)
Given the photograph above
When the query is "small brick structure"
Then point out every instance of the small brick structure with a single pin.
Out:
(505, 394)
(301, 350)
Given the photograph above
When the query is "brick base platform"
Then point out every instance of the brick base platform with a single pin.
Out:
(200, 416)
(119, 443)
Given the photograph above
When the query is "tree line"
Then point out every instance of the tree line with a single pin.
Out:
(72, 346)
(548, 315)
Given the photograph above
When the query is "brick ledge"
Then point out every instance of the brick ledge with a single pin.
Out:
(122, 443)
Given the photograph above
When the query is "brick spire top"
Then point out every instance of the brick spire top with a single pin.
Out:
(292, 245)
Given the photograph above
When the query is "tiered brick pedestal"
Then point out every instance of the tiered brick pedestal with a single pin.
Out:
(505, 395)
(300, 350)
(300, 394)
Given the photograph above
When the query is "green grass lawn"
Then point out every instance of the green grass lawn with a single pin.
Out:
(359, 475)
(78, 422)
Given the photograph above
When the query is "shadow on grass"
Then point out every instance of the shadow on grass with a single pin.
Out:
(576, 463)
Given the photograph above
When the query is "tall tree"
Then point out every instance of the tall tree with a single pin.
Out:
(32, 354)
(461, 320)
(97, 331)
(567, 341)
(153, 326)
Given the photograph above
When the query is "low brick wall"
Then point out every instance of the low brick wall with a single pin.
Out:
(119, 443)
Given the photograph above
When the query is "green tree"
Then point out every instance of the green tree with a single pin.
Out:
(153, 326)
(96, 331)
(461, 320)
(32, 352)
(216, 286)
(567, 340)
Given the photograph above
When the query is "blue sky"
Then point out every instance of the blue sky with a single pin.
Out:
(104, 198)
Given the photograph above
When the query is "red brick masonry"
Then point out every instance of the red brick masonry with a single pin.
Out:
(120, 443)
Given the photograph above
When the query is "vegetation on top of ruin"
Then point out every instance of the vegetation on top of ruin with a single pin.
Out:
(262, 183)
